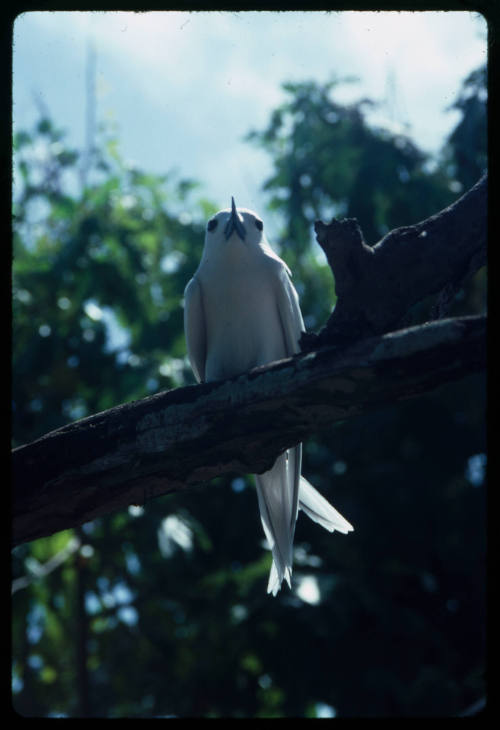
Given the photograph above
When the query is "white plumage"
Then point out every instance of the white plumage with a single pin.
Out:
(241, 310)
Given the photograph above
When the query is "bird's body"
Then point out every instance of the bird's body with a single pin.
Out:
(241, 310)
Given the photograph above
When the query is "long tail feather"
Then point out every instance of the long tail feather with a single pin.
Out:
(277, 492)
(320, 510)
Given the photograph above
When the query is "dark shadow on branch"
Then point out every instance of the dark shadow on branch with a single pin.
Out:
(377, 286)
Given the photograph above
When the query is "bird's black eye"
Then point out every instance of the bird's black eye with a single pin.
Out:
(212, 224)
(259, 224)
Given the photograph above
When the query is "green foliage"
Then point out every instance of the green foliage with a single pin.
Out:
(97, 282)
(161, 610)
(329, 162)
(467, 145)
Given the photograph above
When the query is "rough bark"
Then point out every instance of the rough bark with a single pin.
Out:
(189, 435)
(377, 286)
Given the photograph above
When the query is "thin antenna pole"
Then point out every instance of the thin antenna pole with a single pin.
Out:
(90, 108)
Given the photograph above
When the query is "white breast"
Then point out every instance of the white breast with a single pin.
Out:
(242, 318)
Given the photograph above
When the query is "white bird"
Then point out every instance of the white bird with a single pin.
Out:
(240, 311)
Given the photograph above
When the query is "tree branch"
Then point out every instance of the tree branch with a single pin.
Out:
(377, 286)
(181, 437)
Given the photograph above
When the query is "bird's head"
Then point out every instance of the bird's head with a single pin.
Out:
(235, 224)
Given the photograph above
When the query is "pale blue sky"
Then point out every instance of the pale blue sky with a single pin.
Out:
(185, 88)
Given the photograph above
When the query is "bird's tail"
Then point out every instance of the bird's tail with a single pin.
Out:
(281, 492)
(320, 510)
(277, 492)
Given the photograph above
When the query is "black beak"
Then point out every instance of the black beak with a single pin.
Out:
(234, 223)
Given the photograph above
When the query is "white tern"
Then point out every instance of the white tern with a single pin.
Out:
(241, 310)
